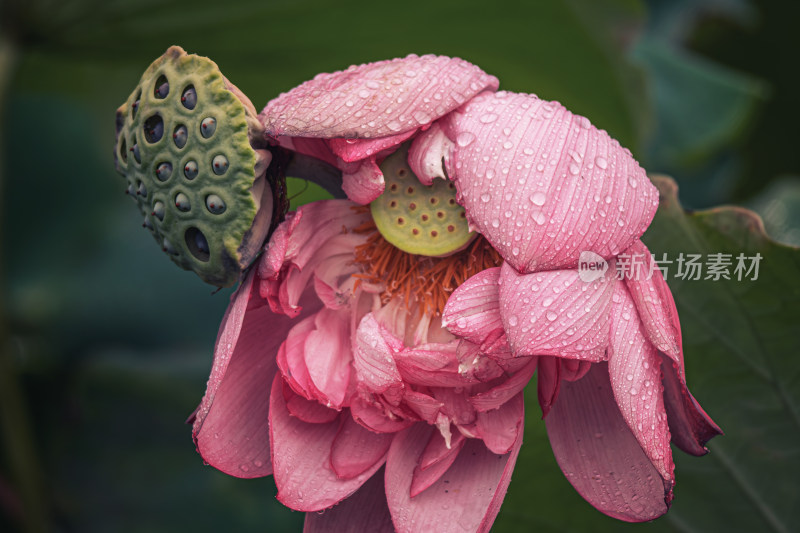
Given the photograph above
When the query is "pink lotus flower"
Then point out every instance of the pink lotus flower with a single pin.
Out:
(396, 373)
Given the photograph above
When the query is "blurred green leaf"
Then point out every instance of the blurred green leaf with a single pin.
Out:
(741, 358)
(779, 206)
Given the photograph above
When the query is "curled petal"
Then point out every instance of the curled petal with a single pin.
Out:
(549, 382)
(433, 365)
(598, 453)
(373, 356)
(689, 424)
(327, 356)
(543, 185)
(653, 300)
(635, 370)
(429, 154)
(556, 313)
(230, 426)
(473, 310)
(301, 459)
(353, 103)
(364, 184)
(309, 411)
(376, 418)
(366, 510)
(466, 498)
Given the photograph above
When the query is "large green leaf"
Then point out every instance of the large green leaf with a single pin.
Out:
(741, 344)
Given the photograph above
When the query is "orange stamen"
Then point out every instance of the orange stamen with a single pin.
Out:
(428, 281)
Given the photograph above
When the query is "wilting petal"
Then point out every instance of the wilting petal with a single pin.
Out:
(689, 424)
(301, 459)
(466, 498)
(429, 154)
(635, 371)
(435, 460)
(365, 511)
(423, 405)
(598, 453)
(356, 449)
(230, 427)
(327, 355)
(374, 359)
(473, 310)
(542, 184)
(498, 395)
(556, 313)
(653, 299)
(353, 102)
(501, 427)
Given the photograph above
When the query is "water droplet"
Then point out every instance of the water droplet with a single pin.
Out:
(465, 138)
(488, 118)
(538, 217)
(601, 162)
(632, 182)
(547, 302)
(538, 198)
(485, 197)
(495, 223)
(372, 84)
(551, 315)
(574, 168)
(508, 144)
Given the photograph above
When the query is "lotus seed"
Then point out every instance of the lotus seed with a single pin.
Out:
(153, 129)
(158, 210)
(220, 165)
(190, 170)
(136, 155)
(162, 87)
(208, 127)
(215, 204)
(141, 190)
(180, 136)
(182, 202)
(189, 97)
(164, 171)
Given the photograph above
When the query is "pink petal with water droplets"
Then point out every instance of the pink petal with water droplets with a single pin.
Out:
(501, 427)
(314, 233)
(373, 353)
(354, 102)
(364, 184)
(356, 449)
(466, 498)
(543, 185)
(430, 154)
(423, 405)
(548, 383)
(366, 511)
(350, 150)
(433, 365)
(500, 394)
(306, 410)
(230, 426)
(689, 424)
(635, 371)
(435, 460)
(327, 355)
(375, 418)
(301, 459)
(653, 299)
(598, 453)
(556, 313)
(291, 358)
(473, 310)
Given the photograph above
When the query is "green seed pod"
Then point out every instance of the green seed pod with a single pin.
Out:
(190, 147)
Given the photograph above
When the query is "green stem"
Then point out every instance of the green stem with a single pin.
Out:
(15, 428)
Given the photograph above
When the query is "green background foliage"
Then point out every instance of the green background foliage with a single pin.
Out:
(106, 346)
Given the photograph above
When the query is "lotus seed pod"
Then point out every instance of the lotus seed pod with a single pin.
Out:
(191, 149)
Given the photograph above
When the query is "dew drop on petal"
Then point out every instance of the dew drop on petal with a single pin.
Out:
(601, 162)
(465, 138)
(538, 198)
